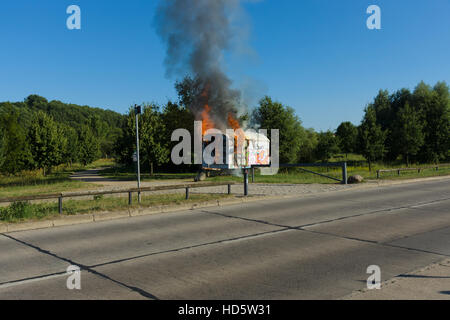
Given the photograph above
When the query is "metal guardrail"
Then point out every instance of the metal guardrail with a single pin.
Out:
(302, 166)
(61, 196)
(398, 170)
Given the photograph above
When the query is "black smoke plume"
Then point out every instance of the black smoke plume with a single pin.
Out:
(197, 33)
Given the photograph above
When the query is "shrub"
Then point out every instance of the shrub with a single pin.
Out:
(21, 210)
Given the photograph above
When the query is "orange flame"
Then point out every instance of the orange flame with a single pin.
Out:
(207, 121)
(232, 122)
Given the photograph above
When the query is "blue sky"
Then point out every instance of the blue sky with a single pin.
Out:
(316, 56)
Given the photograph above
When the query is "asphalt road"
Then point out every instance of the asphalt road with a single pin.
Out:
(314, 247)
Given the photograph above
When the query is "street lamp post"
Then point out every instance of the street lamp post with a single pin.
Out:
(137, 112)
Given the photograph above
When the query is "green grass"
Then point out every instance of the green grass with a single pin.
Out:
(45, 188)
(286, 176)
(24, 211)
(34, 183)
(296, 176)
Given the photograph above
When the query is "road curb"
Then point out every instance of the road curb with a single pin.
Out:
(61, 221)
(144, 211)
(3, 227)
(32, 225)
(383, 183)
(71, 220)
(110, 215)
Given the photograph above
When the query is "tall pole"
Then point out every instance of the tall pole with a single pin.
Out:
(246, 182)
(344, 173)
(137, 111)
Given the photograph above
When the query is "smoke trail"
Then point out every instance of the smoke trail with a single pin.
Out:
(197, 33)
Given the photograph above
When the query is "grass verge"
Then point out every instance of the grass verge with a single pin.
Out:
(34, 183)
(297, 176)
(24, 211)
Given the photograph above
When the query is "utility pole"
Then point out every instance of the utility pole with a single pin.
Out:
(137, 112)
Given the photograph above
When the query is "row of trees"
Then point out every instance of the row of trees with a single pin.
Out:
(44, 144)
(403, 126)
(37, 134)
(413, 126)
(158, 123)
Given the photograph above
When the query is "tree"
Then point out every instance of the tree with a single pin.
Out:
(154, 143)
(175, 117)
(45, 142)
(309, 146)
(441, 121)
(153, 138)
(89, 148)
(71, 146)
(435, 106)
(398, 101)
(126, 143)
(15, 154)
(35, 101)
(104, 135)
(371, 137)
(327, 146)
(408, 132)
(3, 141)
(273, 115)
(383, 109)
(2, 147)
(347, 135)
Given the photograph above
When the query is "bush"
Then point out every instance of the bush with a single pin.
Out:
(98, 197)
(18, 211)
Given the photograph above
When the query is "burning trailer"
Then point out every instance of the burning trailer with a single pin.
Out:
(236, 150)
(239, 150)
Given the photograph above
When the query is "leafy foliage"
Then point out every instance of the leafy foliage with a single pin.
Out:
(46, 142)
(88, 146)
(15, 149)
(371, 137)
(347, 135)
(37, 133)
(327, 146)
(408, 132)
(417, 124)
(273, 115)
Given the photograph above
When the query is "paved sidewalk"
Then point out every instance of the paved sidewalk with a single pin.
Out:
(430, 283)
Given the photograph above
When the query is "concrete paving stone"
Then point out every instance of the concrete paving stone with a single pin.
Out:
(71, 220)
(3, 227)
(136, 212)
(110, 215)
(12, 227)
